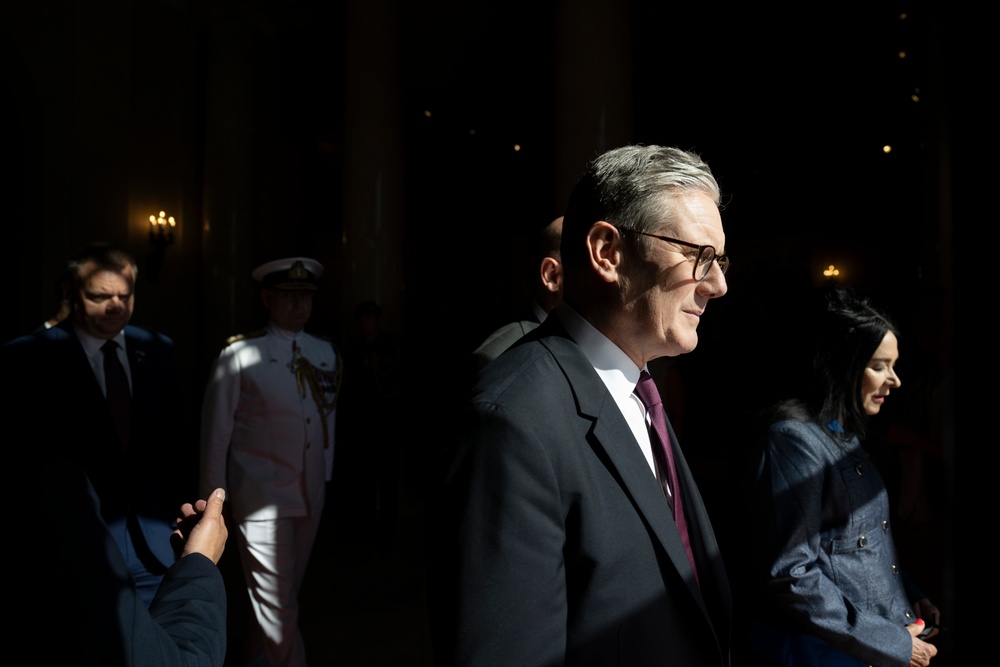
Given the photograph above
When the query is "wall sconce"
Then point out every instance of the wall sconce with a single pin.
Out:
(161, 235)
(161, 232)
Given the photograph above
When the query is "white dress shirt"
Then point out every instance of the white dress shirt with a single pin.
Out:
(92, 348)
(620, 375)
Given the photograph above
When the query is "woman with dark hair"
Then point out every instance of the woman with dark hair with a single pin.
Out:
(833, 593)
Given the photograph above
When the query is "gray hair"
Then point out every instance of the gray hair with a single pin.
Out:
(631, 187)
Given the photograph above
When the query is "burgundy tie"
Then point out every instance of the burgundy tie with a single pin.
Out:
(659, 435)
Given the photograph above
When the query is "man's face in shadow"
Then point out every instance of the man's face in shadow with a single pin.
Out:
(103, 303)
(290, 309)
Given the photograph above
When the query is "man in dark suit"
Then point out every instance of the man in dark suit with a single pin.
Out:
(573, 531)
(547, 290)
(107, 394)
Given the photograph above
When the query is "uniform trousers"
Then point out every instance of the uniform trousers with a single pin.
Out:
(275, 554)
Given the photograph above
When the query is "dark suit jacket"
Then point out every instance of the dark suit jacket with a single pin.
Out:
(500, 340)
(58, 393)
(558, 546)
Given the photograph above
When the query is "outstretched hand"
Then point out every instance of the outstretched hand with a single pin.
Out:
(922, 651)
(201, 528)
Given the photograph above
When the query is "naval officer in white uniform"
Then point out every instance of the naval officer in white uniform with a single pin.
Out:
(267, 437)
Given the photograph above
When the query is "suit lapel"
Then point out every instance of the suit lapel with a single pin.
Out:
(83, 392)
(612, 434)
(77, 364)
(711, 570)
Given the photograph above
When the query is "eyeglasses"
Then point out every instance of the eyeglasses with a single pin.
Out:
(702, 263)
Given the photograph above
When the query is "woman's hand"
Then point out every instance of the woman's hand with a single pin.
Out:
(925, 609)
(922, 651)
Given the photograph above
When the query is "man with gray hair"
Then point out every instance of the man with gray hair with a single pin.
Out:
(546, 289)
(574, 532)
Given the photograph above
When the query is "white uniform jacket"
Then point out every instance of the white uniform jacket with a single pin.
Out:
(268, 420)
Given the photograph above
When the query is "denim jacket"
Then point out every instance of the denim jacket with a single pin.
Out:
(831, 567)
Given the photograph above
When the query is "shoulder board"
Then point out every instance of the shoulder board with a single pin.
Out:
(253, 334)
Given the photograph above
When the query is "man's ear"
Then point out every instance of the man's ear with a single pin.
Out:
(265, 297)
(551, 274)
(604, 247)
(71, 296)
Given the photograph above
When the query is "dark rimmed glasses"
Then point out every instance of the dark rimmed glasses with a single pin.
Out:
(703, 262)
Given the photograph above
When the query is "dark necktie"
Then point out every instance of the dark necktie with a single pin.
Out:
(660, 439)
(118, 393)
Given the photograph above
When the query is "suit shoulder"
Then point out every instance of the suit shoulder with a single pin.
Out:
(26, 340)
(18, 355)
(518, 328)
(143, 335)
(525, 369)
(37, 343)
(501, 339)
(257, 333)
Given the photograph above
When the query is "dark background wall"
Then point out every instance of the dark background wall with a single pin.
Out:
(412, 148)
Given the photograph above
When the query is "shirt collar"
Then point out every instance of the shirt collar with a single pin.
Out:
(283, 333)
(91, 344)
(617, 370)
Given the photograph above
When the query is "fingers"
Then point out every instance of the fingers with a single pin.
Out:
(922, 653)
(934, 613)
(186, 512)
(209, 536)
(213, 506)
(924, 608)
(918, 627)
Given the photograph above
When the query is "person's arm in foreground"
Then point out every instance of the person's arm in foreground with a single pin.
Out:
(190, 605)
